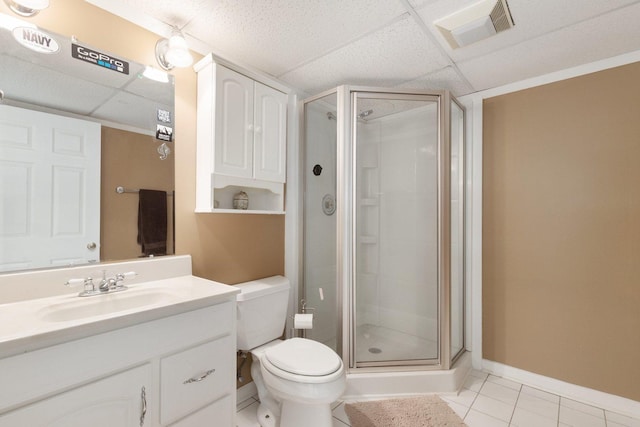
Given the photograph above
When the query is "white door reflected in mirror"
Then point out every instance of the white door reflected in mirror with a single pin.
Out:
(50, 190)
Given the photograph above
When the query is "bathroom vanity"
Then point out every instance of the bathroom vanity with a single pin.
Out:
(161, 353)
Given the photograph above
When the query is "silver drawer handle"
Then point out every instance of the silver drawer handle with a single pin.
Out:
(197, 380)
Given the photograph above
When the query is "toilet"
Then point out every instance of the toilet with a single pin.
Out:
(297, 379)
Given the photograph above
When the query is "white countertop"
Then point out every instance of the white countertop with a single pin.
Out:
(32, 324)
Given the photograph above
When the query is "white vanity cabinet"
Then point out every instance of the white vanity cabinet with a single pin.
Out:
(175, 371)
(117, 400)
(241, 140)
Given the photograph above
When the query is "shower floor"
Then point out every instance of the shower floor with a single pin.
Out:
(377, 344)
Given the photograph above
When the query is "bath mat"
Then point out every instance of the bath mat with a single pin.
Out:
(423, 411)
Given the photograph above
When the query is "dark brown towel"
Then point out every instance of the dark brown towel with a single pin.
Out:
(152, 222)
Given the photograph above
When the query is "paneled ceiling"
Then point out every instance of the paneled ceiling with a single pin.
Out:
(313, 45)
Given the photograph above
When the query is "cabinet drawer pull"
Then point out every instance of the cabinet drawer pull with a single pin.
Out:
(200, 378)
(143, 405)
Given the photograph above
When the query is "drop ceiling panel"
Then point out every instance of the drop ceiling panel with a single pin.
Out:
(575, 45)
(279, 35)
(390, 56)
(141, 112)
(172, 12)
(34, 84)
(445, 78)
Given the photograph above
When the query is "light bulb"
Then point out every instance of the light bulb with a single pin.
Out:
(178, 52)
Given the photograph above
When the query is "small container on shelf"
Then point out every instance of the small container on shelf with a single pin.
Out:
(241, 201)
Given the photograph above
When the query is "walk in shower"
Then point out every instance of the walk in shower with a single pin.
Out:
(382, 260)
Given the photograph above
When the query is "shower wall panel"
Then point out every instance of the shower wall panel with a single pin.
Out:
(408, 222)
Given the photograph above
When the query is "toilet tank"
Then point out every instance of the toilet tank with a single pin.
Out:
(262, 311)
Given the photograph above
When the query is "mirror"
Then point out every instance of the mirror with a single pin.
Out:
(43, 76)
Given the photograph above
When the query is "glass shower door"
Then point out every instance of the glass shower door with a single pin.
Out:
(396, 291)
(319, 249)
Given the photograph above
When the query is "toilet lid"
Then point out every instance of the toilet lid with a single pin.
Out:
(302, 356)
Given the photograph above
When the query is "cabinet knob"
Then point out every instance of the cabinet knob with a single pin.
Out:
(91, 246)
(258, 129)
(250, 127)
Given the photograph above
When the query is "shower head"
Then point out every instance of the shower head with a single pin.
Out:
(331, 116)
(365, 113)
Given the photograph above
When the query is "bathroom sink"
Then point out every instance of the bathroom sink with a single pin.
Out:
(81, 308)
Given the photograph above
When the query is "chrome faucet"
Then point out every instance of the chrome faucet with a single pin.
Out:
(106, 285)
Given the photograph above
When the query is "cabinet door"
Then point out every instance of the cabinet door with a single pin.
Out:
(113, 401)
(233, 154)
(270, 139)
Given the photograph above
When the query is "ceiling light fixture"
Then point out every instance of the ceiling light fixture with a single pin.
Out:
(27, 8)
(173, 52)
(476, 22)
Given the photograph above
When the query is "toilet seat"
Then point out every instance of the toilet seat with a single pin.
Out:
(303, 360)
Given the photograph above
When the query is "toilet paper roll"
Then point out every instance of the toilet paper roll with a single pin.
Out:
(303, 321)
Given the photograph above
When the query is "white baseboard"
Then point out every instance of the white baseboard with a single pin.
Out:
(607, 401)
(246, 391)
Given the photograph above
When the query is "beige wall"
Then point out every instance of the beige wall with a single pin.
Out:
(129, 160)
(561, 230)
(225, 247)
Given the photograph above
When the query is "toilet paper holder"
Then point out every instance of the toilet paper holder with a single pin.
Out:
(303, 310)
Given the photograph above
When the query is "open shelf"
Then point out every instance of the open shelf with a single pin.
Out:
(265, 197)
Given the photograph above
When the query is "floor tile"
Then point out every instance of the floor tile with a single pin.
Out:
(459, 409)
(248, 417)
(582, 407)
(620, 419)
(523, 418)
(538, 406)
(473, 383)
(478, 419)
(479, 374)
(241, 405)
(338, 423)
(576, 418)
(465, 397)
(338, 412)
(499, 392)
(541, 394)
(335, 404)
(506, 383)
(495, 408)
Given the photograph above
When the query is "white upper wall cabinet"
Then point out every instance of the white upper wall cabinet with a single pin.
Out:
(242, 138)
(270, 134)
(233, 145)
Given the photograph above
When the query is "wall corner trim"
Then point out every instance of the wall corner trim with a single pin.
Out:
(609, 402)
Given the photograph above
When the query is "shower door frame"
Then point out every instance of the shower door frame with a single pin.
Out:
(441, 98)
(345, 227)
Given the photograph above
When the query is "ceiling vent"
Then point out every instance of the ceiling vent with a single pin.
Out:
(475, 23)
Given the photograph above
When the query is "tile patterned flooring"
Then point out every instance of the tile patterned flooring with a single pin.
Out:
(490, 401)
